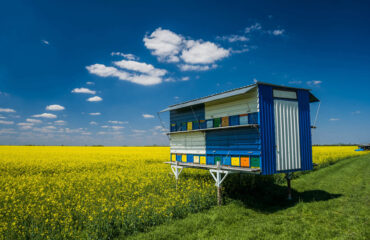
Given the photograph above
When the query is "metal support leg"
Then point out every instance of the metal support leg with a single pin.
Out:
(176, 171)
(288, 178)
(216, 174)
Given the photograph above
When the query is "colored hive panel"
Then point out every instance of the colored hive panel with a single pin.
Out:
(243, 119)
(225, 121)
(184, 126)
(210, 160)
(210, 123)
(218, 159)
(178, 157)
(196, 159)
(217, 122)
(202, 159)
(226, 160)
(234, 120)
(173, 127)
(189, 158)
(253, 118)
(183, 158)
(173, 157)
(244, 161)
(255, 162)
(202, 124)
(190, 126)
(235, 161)
(195, 125)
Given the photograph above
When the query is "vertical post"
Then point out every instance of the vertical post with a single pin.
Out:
(219, 190)
(288, 178)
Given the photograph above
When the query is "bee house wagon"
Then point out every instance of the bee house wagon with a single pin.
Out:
(257, 129)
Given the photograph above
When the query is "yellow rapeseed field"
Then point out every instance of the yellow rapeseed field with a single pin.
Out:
(101, 192)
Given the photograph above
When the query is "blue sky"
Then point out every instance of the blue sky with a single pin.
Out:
(97, 72)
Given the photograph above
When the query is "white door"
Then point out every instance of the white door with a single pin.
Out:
(288, 150)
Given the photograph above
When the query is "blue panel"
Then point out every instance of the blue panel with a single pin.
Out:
(233, 152)
(210, 160)
(188, 114)
(234, 120)
(226, 160)
(305, 129)
(253, 118)
(178, 157)
(209, 123)
(267, 129)
(244, 140)
(189, 158)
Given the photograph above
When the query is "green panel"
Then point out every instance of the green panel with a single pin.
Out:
(217, 122)
(218, 159)
(255, 162)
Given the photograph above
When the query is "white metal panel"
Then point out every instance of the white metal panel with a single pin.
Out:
(246, 103)
(188, 143)
(288, 150)
(284, 94)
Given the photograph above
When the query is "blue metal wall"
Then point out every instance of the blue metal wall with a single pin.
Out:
(305, 129)
(267, 129)
(234, 141)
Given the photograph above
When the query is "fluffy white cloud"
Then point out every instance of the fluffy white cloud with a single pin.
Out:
(190, 67)
(142, 79)
(90, 83)
(278, 32)
(116, 122)
(6, 122)
(83, 90)
(60, 122)
(185, 78)
(95, 114)
(164, 44)
(334, 119)
(314, 82)
(95, 99)
(128, 56)
(55, 107)
(117, 128)
(138, 131)
(254, 27)
(7, 110)
(140, 67)
(93, 123)
(31, 120)
(25, 124)
(234, 38)
(171, 47)
(45, 115)
(45, 42)
(148, 116)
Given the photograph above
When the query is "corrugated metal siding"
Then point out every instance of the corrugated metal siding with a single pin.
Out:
(242, 104)
(187, 114)
(188, 143)
(267, 124)
(305, 129)
(233, 141)
(287, 135)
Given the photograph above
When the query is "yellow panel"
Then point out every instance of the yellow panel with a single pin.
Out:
(173, 157)
(196, 159)
(235, 161)
(190, 125)
(183, 158)
(203, 160)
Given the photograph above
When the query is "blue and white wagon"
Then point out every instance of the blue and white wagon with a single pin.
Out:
(259, 129)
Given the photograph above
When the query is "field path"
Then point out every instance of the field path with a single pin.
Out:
(331, 203)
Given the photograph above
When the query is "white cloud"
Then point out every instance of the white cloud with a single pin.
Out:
(128, 56)
(203, 52)
(278, 32)
(104, 126)
(7, 110)
(148, 116)
(60, 122)
(117, 128)
(185, 78)
(295, 82)
(2, 117)
(234, 38)
(6, 122)
(142, 79)
(117, 122)
(334, 119)
(314, 82)
(140, 67)
(95, 114)
(254, 27)
(138, 131)
(90, 83)
(164, 44)
(55, 107)
(7, 131)
(93, 123)
(25, 124)
(45, 115)
(31, 120)
(356, 112)
(83, 90)
(45, 42)
(189, 67)
(95, 99)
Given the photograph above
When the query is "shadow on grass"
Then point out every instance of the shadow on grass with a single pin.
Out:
(263, 194)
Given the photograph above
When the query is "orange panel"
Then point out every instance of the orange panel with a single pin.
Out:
(225, 122)
(244, 161)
